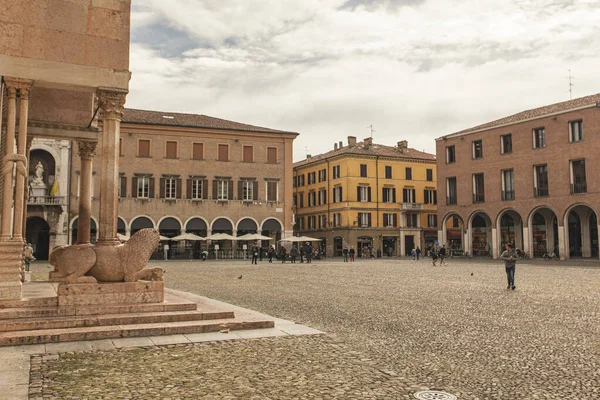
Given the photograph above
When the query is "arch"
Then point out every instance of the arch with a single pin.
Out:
(169, 224)
(538, 208)
(452, 236)
(565, 216)
(543, 233)
(49, 149)
(147, 217)
(509, 224)
(196, 224)
(121, 226)
(451, 214)
(268, 224)
(480, 234)
(247, 224)
(219, 224)
(75, 225)
(482, 214)
(38, 235)
(581, 238)
(166, 217)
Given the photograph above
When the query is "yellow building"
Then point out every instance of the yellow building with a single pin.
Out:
(367, 196)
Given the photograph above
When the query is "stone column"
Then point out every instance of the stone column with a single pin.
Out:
(111, 102)
(527, 241)
(562, 245)
(586, 249)
(7, 172)
(495, 243)
(22, 170)
(26, 194)
(87, 151)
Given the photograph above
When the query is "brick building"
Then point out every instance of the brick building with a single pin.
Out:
(525, 179)
(367, 195)
(193, 173)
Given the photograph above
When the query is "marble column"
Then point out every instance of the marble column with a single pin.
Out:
(111, 103)
(7, 171)
(527, 241)
(562, 245)
(496, 245)
(86, 151)
(22, 169)
(26, 194)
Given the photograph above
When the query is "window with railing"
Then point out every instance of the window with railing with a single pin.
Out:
(478, 188)
(412, 220)
(539, 138)
(540, 176)
(477, 149)
(578, 178)
(575, 131)
(451, 192)
(508, 185)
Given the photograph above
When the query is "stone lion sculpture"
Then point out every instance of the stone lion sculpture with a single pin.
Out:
(86, 263)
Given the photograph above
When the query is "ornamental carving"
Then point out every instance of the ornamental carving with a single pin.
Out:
(111, 103)
(86, 149)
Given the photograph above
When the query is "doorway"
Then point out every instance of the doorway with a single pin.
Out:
(38, 234)
(409, 244)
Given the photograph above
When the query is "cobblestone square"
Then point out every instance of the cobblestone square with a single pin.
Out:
(393, 327)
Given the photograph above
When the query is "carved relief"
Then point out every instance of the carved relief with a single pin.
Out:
(87, 149)
(111, 103)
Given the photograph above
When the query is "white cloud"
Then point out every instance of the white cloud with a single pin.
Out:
(414, 72)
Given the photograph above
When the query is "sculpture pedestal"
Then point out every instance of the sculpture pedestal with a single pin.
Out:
(85, 294)
(39, 190)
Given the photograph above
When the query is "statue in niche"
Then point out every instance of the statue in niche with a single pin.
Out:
(38, 177)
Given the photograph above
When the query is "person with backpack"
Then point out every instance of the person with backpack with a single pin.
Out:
(510, 262)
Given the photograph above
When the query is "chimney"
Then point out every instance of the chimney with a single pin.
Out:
(368, 143)
(402, 146)
(341, 144)
(308, 157)
(335, 146)
(351, 140)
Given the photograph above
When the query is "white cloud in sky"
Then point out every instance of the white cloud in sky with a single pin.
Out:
(415, 69)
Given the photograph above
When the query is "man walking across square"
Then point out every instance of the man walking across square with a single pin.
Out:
(254, 251)
(510, 260)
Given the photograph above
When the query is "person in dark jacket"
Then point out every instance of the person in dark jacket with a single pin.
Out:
(418, 251)
(301, 253)
(442, 254)
(308, 252)
(510, 262)
(283, 254)
(254, 250)
(294, 254)
(345, 253)
(271, 253)
(352, 253)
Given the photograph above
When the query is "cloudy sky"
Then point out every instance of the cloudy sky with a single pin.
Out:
(414, 69)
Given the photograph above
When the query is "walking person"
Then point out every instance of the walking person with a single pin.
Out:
(254, 252)
(283, 253)
(28, 256)
(443, 255)
(418, 251)
(308, 252)
(413, 253)
(271, 253)
(434, 254)
(301, 253)
(352, 253)
(510, 261)
(294, 254)
(345, 253)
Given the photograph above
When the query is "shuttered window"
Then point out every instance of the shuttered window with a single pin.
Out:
(121, 147)
(223, 154)
(271, 155)
(248, 154)
(272, 191)
(198, 151)
(144, 148)
(171, 150)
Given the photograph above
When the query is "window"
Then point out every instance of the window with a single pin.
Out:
(508, 184)
(198, 151)
(301, 198)
(271, 155)
(248, 154)
(337, 194)
(223, 152)
(477, 149)
(171, 150)
(247, 190)
(429, 175)
(197, 189)
(311, 178)
(364, 220)
(143, 148)
(300, 223)
(540, 180)
(300, 180)
(363, 193)
(478, 189)
(451, 192)
(272, 192)
(312, 222)
(575, 131)
(312, 198)
(322, 221)
(430, 196)
(389, 195)
(143, 188)
(295, 181)
(455, 222)
(388, 172)
(539, 138)
(409, 195)
(336, 171)
(170, 188)
(322, 175)
(222, 189)
(337, 219)
(450, 154)
(578, 180)
(121, 147)
(431, 220)
(363, 170)
(122, 186)
(412, 220)
(506, 144)
(408, 174)
(322, 196)
(390, 220)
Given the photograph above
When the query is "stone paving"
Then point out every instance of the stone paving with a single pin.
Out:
(393, 327)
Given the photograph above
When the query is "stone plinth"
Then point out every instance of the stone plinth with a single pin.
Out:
(39, 190)
(11, 263)
(84, 294)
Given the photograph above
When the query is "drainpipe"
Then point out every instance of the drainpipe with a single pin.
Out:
(69, 179)
(377, 196)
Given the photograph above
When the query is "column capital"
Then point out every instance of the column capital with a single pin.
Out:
(86, 149)
(111, 101)
(23, 85)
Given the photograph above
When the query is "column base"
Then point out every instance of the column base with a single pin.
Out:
(10, 290)
(11, 269)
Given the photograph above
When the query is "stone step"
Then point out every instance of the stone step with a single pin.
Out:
(80, 321)
(65, 311)
(17, 338)
(29, 302)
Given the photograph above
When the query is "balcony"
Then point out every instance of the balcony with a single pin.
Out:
(580, 187)
(508, 195)
(478, 198)
(411, 206)
(47, 201)
(451, 200)
(541, 191)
